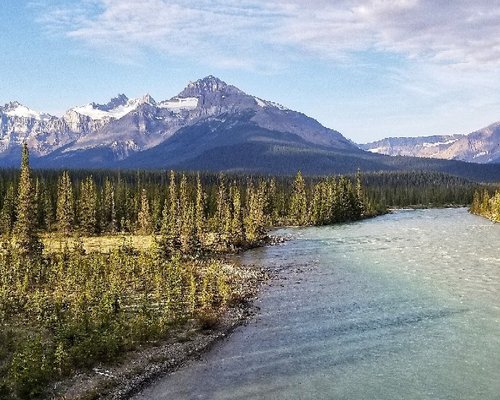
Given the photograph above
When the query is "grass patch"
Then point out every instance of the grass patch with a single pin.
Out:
(100, 244)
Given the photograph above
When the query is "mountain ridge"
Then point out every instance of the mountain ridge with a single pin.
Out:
(126, 126)
(481, 146)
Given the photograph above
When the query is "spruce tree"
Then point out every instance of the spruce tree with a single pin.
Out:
(359, 196)
(298, 204)
(222, 214)
(87, 207)
(169, 230)
(8, 213)
(188, 240)
(65, 215)
(475, 207)
(108, 217)
(200, 217)
(237, 230)
(25, 235)
(254, 218)
(144, 222)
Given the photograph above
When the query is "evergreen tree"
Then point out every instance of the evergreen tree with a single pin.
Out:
(49, 218)
(359, 205)
(144, 222)
(495, 207)
(316, 211)
(255, 219)
(475, 207)
(222, 215)
(8, 213)
(108, 217)
(188, 240)
(87, 207)
(26, 238)
(200, 222)
(272, 207)
(237, 230)
(298, 204)
(485, 203)
(65, 215)
(170, 229)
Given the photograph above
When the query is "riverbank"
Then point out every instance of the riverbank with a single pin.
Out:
(186, 342)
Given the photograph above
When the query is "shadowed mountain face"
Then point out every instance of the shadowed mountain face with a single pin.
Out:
(210, 125)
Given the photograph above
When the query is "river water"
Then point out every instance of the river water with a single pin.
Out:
(403, 306)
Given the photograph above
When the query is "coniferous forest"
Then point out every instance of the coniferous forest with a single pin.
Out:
(64, 308)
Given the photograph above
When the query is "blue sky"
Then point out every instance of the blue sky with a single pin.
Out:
(369, 69)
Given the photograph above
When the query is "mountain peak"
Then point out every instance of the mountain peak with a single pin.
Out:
(12, 106)
(209, 84)
(147, 99)
(16, 109)
(119, 100)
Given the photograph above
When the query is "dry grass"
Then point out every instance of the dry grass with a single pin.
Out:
(103, 244)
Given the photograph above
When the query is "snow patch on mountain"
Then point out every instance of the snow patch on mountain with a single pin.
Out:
(267, 103)
(379, 150)
(436, 144)
(104, 111)
(16, 109)
(177, 104)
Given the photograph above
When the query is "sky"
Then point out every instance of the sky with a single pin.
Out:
(367, 68)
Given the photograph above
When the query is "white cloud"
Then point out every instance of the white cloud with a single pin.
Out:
(460, 32)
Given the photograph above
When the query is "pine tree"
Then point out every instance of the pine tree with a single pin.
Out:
(200, 217)
(144, 222)
(237, 230)
(48, 215)
(222, 214)
(359, 197)
(495, 207)
(485, 204)
(8, 213)
(169, 230)
(25, 235)
(298, 204)
(87, 207)
(272, 205)
(65, 215)
(254, 218)
(188, 232)
(316, 205)
(108, 218)
(475, 207)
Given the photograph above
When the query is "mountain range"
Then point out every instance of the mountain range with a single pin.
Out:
(210, 125)
(482, 146)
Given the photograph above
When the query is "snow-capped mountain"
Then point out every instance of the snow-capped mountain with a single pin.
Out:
(482, 146)
(114, 131)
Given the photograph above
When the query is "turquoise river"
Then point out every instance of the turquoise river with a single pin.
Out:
(403, 306)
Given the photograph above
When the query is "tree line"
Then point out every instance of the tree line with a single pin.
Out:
(188, 211)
